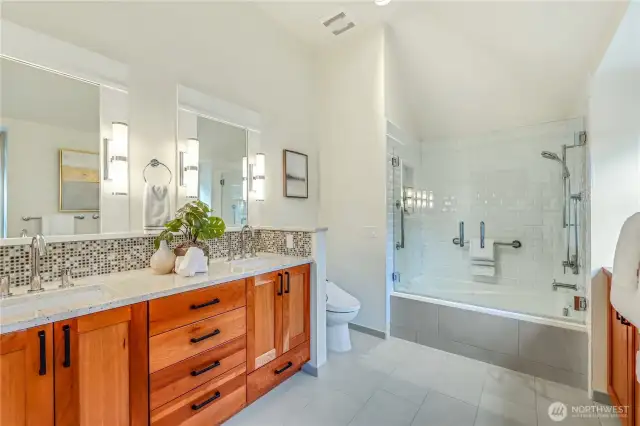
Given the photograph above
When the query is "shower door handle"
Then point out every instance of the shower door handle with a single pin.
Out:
(400, 245)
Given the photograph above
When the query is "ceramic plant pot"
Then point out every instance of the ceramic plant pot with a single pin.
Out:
(181, 249)
(163, 260)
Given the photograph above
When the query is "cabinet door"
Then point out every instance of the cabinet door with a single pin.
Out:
(26, 377)
(264, 319)
(102, 369)
(295, 307)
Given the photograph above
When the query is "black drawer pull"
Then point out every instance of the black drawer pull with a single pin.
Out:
(196, 407)
(280, 288)
(195, 373)
(204, 305)
(622, 319)
(67, 346)
(205, 337)
(285, 368)
(288, 288)
(43, 353)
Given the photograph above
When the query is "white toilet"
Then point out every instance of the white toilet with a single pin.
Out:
(341, 309)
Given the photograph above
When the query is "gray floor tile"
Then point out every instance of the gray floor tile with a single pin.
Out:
(511, 386)
(442, 410)
(385, 409)
(405, 389)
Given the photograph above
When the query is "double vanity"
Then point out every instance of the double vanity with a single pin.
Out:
(134, 348)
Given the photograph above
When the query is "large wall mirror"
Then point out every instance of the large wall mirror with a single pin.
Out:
(63, 140)
(213, 161)
(50, 129)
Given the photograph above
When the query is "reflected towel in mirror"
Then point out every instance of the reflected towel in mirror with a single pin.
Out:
(156, 207)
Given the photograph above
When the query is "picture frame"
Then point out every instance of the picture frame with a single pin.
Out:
(295, 174)
(79, 181)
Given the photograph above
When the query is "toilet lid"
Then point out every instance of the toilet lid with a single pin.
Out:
(339, 300)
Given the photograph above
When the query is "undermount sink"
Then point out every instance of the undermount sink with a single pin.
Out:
(53, 300)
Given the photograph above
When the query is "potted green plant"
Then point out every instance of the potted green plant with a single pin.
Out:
(195, 222)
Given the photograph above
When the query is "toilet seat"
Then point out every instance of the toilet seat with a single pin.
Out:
(339, 300)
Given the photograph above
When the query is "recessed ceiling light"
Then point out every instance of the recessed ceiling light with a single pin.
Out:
(382, 2)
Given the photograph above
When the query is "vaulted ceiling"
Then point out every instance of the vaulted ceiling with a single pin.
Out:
(479, 66)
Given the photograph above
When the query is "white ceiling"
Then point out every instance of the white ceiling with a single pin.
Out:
(469, 67)
(474, 67)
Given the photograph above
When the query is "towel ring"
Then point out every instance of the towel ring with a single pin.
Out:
(155, 163)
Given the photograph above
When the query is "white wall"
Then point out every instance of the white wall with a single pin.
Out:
(229, 51)
(614, 143)
(351, 128)
(35, 146)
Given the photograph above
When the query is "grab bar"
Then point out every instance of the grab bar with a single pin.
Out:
(482, 234)
(461, 233)
(516, 244)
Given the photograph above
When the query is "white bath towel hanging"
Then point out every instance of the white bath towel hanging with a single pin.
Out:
(156, 207)
(58, 224)
(625, 293)
(476, 252)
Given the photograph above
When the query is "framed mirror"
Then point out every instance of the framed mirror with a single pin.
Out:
(64, 139)
(213, 156)
(50, 133)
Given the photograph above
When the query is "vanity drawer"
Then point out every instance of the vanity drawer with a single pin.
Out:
(269, 376)
(175, 311)
(178, 379)
(176, 345)
(207, 405)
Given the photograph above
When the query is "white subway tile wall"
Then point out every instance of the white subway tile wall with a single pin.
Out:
(499, 178)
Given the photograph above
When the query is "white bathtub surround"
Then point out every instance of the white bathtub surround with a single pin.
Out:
(545, 348)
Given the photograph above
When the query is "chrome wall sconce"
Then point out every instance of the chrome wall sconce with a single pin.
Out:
(189, 160)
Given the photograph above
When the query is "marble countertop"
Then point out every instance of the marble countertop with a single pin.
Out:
(102, 292)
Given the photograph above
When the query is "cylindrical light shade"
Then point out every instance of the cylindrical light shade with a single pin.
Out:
(259, 177)
(245, 183)
(120, 139)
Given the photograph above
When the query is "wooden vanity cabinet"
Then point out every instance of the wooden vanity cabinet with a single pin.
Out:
(278, 322)
(623, 344)
(101, 368)
(26, 377)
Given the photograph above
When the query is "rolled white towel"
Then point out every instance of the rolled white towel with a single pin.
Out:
(625, 294)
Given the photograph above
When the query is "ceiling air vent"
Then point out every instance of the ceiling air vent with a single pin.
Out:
(339, 23)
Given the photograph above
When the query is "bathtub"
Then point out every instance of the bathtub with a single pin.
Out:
(509, 302)
(510, 327)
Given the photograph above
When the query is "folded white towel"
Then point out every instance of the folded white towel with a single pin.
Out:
(478, 253)
(483, 270)
(483, 262)
(58, 224)
(625, 294)
(156, 207)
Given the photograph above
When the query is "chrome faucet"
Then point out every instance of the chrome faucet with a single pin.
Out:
(244, 245)
(38, 249)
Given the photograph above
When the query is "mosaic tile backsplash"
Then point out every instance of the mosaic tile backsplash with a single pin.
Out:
(99, 257)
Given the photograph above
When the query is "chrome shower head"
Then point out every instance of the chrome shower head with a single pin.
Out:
(553, 156)
(550, 156)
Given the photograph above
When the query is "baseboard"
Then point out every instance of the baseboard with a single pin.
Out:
(601, 397)
(370, 331)
(310, 370)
